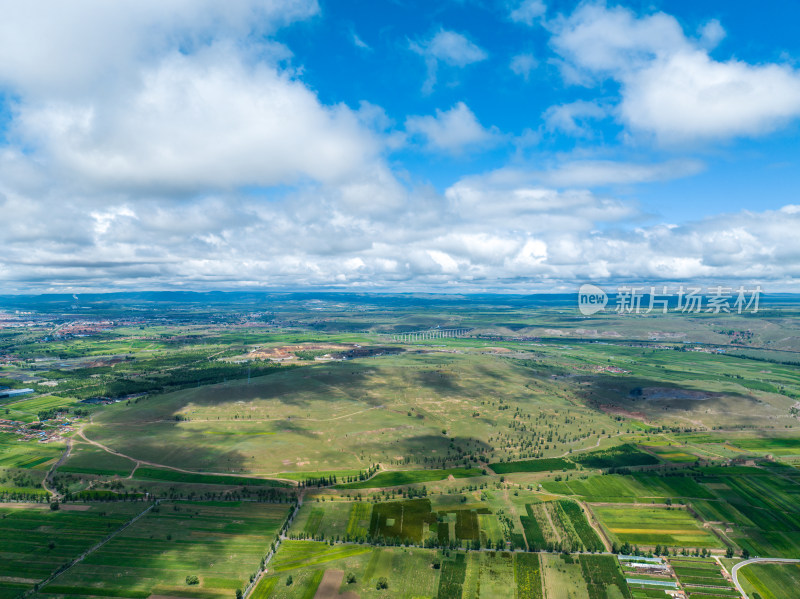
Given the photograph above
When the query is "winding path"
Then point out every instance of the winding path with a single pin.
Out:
(595, 446)
(139, 462)
(49, 476)
(757, 560)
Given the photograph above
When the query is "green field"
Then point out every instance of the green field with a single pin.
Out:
(534, 534)
(35, 541)
(603, 576)
(441, 522)
(642, 488)
(622, 456)
(324, 520)
(299, 554)
(559, 525)
(542, 465)
(87, 459)
(410, 477)
(671, 453)
(771, 581)
(204, 479)
(27, 455)
(699, 577)
(761, 507)
(528, 575)
(221, 543)
(409, 572)
(543, 529)
(401, 520)
(22, 484)
(451, 584)
(358, 520)
(775, 445)
(647, 527)
(587, 536)
(563, 576)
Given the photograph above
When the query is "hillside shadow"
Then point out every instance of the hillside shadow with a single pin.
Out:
(176, 540)
(169, 429)
(429, 449)
(656, 399)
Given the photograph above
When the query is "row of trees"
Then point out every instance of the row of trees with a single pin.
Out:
(628, 549)
(329, 481)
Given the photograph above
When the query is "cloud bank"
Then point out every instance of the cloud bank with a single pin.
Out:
(671, 87)
(177, 144)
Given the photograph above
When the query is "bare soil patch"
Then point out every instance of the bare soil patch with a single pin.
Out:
(286, 352)
(19, 579)
(612, 409)
(27, 506)
(329, 587)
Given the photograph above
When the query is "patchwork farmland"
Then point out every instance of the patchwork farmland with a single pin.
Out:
(460, 467)
(221, 544)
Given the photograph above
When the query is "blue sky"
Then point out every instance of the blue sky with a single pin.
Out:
(464, 145)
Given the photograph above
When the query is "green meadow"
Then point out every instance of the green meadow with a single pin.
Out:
(221, 543)
(406, 410)
(35, 540)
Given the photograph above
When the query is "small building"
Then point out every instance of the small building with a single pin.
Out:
(639, 558)
(6, 393)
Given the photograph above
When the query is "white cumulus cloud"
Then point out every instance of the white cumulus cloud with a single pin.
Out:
(528, 11)
(523, 65)
(573, 118)
(671, 87)
(209, 119)
(448, 47)
(451, 130)
(49, 46)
